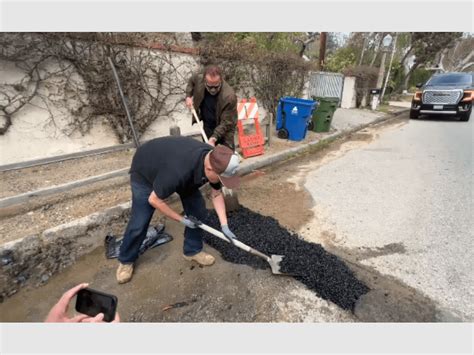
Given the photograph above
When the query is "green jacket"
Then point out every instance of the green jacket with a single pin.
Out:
(226, 108)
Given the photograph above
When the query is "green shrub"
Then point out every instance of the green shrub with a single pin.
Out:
(419, 75)
(340, 60)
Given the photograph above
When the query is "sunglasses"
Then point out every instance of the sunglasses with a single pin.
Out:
(210, 87)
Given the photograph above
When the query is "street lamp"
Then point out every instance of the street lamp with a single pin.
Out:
(386, 42)
(394, 45)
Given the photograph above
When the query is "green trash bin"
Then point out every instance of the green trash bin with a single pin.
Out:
(322, 116)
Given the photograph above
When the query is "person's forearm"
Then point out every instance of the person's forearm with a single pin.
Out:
(190, 87)
(227, 124)
(164, 208)
(219, 206)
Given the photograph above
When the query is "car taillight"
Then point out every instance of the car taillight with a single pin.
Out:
(417, 96)
(468, 96)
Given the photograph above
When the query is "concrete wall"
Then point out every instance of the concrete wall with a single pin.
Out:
(33, 135)
(349, 93)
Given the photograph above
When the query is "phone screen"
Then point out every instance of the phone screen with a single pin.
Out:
(92, 302)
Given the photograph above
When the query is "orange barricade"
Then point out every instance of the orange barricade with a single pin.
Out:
(251, 144)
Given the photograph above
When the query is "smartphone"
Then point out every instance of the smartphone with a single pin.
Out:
(92, 302)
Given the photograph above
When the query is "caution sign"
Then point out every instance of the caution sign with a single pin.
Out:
(251, 144)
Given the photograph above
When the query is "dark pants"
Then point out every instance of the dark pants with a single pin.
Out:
(209, 129)
(140, 218)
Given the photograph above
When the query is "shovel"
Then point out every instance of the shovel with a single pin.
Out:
(230, 198)
(273, 260)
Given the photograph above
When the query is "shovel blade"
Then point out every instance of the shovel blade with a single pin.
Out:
(274, 262)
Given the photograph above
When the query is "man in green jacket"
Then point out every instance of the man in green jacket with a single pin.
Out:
(215, 103)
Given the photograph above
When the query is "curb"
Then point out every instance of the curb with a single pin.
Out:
(278, 157)
(32, 260)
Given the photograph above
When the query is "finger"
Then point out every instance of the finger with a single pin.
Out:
(79, 318)
(117, 318)
(68, 295)
(97, 319)
(87, 320)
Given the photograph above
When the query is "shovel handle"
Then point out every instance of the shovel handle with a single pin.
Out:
(204, 136)
(237, 242)
(203, 133)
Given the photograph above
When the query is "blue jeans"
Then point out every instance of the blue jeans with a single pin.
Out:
(140, 217)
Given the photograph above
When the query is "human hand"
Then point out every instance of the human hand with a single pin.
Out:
(188, 223)
(100, 319)
(189, 102)
(212, 141)
(58, 314)
(228, 233)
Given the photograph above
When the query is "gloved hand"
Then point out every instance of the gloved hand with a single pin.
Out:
(188, 223)
(228, 233)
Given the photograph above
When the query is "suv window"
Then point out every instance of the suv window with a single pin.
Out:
(451, 80)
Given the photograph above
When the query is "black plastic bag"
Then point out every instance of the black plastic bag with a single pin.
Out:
(155, 236)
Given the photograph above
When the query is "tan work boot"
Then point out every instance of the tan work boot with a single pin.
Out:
(201, 258)
(124, 273)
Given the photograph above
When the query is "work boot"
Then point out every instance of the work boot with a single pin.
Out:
(201, 258)
(124, 273)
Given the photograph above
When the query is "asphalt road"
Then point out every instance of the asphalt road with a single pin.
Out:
(404, 205)
(394, 202)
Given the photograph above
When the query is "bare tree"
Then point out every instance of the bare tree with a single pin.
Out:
(153, 81)
(379, 36)
(425, 46)
(460, 57)
(304, 42)
(14, 96)
(364, 46)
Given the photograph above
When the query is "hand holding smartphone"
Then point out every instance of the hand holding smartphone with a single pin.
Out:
(92, 302)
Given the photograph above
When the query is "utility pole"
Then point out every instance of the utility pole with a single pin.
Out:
(394, 48)
(381, 70)
(387, 40)
(322, 50)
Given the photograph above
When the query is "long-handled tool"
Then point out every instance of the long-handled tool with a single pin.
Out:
(124, 101)
(273, 260)
(230, 197)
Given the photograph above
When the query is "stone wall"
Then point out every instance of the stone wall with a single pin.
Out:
(32, 260)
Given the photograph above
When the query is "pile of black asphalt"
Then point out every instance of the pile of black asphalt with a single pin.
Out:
(322, 272)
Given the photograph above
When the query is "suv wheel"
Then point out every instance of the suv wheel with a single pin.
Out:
(466, 115)
(414, 114)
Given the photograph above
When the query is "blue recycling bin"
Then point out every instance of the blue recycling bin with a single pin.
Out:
(293, 117)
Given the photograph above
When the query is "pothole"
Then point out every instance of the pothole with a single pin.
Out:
(322, 272)
(332, 275)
